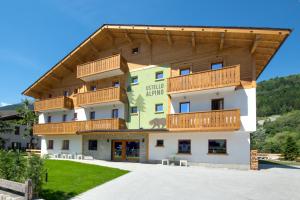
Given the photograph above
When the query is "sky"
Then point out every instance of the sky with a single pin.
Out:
(36, 34)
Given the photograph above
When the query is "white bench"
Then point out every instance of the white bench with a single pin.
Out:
(183, 163)
(70, 156)
(165, 161)
(79, 156)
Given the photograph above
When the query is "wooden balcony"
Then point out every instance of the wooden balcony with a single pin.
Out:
(107, 95)
(53, 104)
(102, 68)
(65, 128)
(218, 120)
(226, 77)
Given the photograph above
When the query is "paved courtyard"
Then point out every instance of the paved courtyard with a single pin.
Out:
(149, 182)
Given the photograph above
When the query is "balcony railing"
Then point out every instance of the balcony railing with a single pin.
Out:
(217, 120)
(78, 126)
(95, 69)
(101, 96)
(56, 103)
(229, 76)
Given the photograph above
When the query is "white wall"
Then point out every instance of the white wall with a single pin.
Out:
(238, 147)
(101, 112)
(244, 99)
(75, 144)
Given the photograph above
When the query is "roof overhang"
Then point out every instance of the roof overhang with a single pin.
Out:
(264, 43)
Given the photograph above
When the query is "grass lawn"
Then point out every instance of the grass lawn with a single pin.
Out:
(67, 178)
(280, 162)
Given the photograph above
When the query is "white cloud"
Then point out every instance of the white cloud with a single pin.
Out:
(4, 104)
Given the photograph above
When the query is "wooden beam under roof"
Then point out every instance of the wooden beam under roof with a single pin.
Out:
(193, 40)
(67, 68)
(93, 46)
(128, 37)
(222, 41)
(54, 76)
(148, 39)
(169, 37)
(255, 42)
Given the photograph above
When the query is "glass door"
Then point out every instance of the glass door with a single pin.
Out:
(132, 150)
(118, 150)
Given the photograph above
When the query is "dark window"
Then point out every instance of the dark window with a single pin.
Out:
(65, 145)
(16, 145)
(50, 144)
(135, 50)
(134, 109)
(93, 88)
(75, 91)
(92, 115)
(184, 146)
(75, 116)
(115, 113)
(134, 80)
(66, 93)
(159, 75)
(49, 95)
(184, 107)
(217, 146)
(116, 84)
(217, 104)
(159, 143)
(184, 71)
(17, 130)
(49, 119)
(215, 66)
(93, 145)
(64, 118)
(159, 107)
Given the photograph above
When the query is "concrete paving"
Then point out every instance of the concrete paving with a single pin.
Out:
(149, 181)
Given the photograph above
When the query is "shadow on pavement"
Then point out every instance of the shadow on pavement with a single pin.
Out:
(263, 164)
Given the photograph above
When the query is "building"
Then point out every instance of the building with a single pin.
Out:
(145, 93)
(15, 137)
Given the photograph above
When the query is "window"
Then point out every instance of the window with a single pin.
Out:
(16, 145)
(49, 95)
(134, 110)
(134, 80)
(64, 118)
(93, 145)
(185, 71)
(115, 113)
(93, 88)
(159, 143)
(217, 104)
(184, 107)
(75, 91)
(135, 51)
(92, 115)
(17, 130)
(215, 66)
(66, 93)
(159, 107)
(75, 116)
(217, 146)
(159, 75)
(116, 84)
(49, 119)
(50, 144)
(65, 145)
(184, 146)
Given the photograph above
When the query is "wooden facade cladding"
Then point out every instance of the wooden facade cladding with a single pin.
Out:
(225, 77)
(57, 103)
(101, 96)
(112, 66)
(64, 128)
(217, 120)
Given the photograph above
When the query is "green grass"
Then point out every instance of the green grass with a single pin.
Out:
(67, 178)
(280, 162)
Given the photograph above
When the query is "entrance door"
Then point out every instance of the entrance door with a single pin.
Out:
(126, 150)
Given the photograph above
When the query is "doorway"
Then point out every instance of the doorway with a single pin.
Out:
(126, 150)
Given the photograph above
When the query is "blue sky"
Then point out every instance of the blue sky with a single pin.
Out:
(36, 34)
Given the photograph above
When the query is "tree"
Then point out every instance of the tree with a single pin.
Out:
(290, 149)
(27, 118)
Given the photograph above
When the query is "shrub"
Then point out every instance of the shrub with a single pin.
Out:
(290, 149)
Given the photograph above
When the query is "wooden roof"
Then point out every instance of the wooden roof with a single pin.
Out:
(263, 44)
